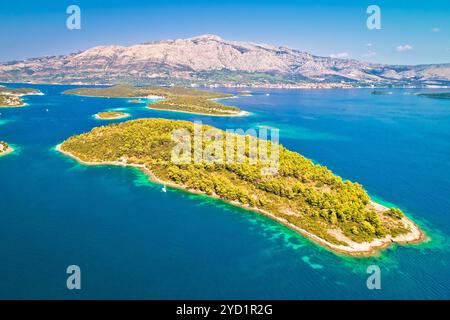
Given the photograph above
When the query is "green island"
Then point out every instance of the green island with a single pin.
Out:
(5, 148)
(111, 115)
(304, 196)
(171, 99)
(435, 95)
(12, 97)
(135, 101)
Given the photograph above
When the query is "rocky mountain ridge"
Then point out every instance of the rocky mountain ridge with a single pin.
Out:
(212, 61)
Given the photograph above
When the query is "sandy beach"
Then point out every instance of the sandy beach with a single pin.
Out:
(364, 249)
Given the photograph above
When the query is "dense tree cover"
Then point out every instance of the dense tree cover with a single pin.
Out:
(306, 194)
(111, 115)
(121, 90)
(195, 105)
(395, 213)
(179, 99)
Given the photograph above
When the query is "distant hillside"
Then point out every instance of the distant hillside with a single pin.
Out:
(211, 60)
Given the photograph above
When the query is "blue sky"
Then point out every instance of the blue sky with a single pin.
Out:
(413, 32)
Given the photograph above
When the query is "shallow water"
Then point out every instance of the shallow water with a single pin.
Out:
(133, 241)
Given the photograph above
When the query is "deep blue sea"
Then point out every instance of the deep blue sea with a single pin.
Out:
(132, 241)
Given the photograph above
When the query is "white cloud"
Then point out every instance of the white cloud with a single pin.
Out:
(340, 55)
(369, 53)
(435, 29)
(369, 44)
(404, 47)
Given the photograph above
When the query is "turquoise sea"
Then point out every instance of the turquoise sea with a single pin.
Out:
(133, 241)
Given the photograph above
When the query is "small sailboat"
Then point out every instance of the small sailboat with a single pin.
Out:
(164, 189)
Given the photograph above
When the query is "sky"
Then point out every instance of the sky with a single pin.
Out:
(412, 32)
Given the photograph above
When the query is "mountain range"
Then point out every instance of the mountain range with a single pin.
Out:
(209, 60)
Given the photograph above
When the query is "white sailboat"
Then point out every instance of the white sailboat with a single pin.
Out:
(164, 189)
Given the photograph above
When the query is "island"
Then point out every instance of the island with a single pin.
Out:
(134, 101)
(12, 97)
(111, 115)
(381, 92)
(306, 197)
(5, 148)
(435, 95)
(245, 93)
(186, 100)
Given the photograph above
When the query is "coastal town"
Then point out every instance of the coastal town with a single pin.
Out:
(12, 97)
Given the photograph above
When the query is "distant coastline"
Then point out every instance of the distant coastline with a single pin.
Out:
(179, 99)
(435, 95)
(281, 86)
